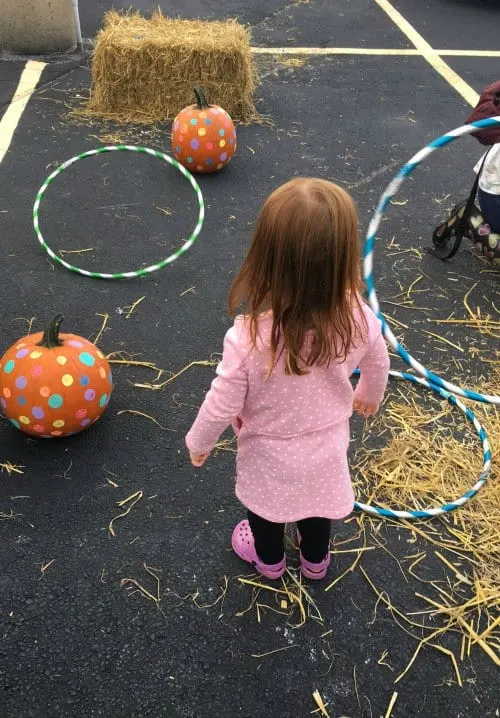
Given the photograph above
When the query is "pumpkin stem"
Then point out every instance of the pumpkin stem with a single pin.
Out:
(50, 337)
(200, 98)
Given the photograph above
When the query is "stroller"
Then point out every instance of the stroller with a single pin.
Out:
(466, 219)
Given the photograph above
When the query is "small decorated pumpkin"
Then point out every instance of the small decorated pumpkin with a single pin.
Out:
(54, 385)
(203, 136)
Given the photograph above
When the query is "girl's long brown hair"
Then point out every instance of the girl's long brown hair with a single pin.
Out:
(304, 265)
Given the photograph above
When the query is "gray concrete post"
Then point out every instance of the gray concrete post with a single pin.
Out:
(37, 27)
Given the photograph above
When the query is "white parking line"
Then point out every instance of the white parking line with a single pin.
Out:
(10, 120)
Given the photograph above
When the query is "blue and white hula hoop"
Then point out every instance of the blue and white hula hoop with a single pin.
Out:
(452, 505)
(389, 193)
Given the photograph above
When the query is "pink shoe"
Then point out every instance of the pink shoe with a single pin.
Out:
(243, 546)
(315, 571)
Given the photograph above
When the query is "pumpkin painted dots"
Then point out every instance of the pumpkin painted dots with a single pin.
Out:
(54, 385)
(203, 136)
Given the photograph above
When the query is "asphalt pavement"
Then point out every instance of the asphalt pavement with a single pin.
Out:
(76, 639)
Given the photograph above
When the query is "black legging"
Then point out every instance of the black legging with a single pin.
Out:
(268, 537)
(490, 207)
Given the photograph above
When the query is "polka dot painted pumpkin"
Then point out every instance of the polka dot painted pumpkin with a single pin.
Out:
(203, 136)
(54, 385)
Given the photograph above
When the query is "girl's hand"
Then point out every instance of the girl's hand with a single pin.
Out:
(364, 409)
(198, 459)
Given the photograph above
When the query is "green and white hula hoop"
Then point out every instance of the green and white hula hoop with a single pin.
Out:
(139, 272)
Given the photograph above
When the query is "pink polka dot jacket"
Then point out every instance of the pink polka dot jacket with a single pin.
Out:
(292, 431)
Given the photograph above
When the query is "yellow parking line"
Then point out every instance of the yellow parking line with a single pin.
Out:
(468, 53)
(429, 54)
(27, 84)
(331, 51)
(368, 51)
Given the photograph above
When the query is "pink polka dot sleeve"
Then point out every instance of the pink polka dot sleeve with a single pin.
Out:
(374, 365)
(226, 397)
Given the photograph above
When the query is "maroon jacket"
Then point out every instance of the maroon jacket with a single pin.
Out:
(488, 106)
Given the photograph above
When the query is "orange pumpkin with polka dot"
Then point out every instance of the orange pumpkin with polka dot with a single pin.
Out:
(53, 384)
(203, 136)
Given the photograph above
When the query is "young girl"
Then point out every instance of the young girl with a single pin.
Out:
(284, 379)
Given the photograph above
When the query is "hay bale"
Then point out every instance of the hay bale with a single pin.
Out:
(144, 70)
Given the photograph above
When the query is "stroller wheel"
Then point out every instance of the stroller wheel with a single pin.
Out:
(440, 237)
(445, 237)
